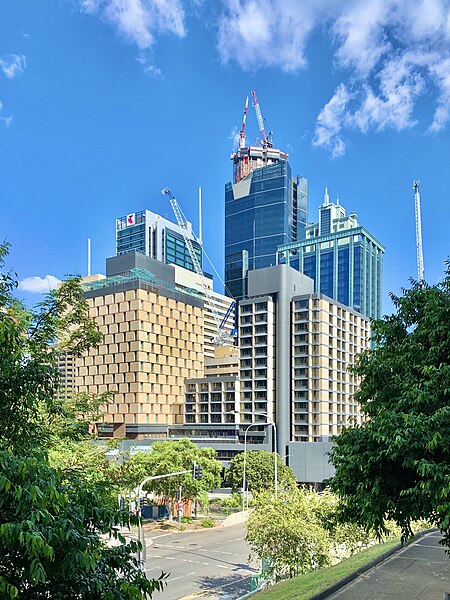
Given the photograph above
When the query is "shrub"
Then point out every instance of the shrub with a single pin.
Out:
(207, 523)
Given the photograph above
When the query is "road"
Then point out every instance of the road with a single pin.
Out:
(211, 561)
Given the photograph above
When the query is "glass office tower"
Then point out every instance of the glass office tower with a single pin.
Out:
(263, 210)
(344, 259)
(154, 236)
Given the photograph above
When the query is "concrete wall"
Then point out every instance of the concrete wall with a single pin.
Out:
(309, 461)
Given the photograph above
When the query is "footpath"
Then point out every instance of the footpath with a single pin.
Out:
(420, 571)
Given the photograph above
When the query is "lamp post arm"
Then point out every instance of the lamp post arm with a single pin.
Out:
(153, 477)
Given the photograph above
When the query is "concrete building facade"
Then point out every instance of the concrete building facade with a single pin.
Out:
(153, 340)
(295, 350)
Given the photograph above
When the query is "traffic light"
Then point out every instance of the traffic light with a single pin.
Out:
(141, 503)
(196, 471)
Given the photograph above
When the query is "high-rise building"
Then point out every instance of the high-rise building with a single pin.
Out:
(156, 237)
(295, 350)
(264, 207)
(158, 328)
(342, 257)
(153, 339)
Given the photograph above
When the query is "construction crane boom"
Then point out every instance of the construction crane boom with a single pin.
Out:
(266, 141)
(221, 337)
(420, 268)
(242, 132)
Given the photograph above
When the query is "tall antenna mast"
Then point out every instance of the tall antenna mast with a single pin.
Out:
(200, 224)
(89, 257)
(420, 270)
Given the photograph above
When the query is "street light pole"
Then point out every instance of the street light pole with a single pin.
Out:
(142, 555)
(275, 466)
(245, 463)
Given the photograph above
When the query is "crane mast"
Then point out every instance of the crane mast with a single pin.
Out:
(420, 269)
(221, 337)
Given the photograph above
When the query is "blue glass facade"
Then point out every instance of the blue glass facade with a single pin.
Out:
(176, 251)
(266, 209)
(345, 265)
(157, 238)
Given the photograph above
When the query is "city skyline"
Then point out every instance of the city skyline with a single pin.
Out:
(97, 118)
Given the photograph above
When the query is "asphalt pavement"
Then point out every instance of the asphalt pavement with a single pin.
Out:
(205, 564)
(419, 571)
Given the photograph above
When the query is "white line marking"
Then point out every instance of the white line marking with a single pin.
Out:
(152, 568)
(170, 557)
(223, 567)
(181, 576)
(162, 535)
(206, 563)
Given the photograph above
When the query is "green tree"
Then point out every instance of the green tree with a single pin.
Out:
(52, 522)
(171, 456)
(299, 531)
(396, 465)
(259, 472)
(288, 533)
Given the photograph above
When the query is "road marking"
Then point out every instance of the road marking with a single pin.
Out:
(205, 563)
(152, 568)
(169, 557)
(181, 576)
(162, 535)
(154, 556)
(223, 567)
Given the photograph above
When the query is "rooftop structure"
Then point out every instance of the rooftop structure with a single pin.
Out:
(156, 237)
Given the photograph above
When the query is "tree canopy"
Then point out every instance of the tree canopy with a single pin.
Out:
(396, 465)
(298, 532)
(53, 522)
(259, 472)
(171, 456)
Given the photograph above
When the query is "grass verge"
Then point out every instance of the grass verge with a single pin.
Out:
(305, 586)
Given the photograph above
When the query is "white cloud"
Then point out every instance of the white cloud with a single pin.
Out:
(391, 55)
(139, 20)
(388, 52)
(149, 68)
(12, 64)
(234, 137)
(329, 122)
(39, 285)
(262, 33)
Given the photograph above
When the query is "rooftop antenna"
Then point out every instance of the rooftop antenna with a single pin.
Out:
(200, 215)
(420, 269)
(89, 258)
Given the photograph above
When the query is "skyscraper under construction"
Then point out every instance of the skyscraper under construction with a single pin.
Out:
(265, 207)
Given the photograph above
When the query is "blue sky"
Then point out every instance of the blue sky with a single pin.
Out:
(105, 102)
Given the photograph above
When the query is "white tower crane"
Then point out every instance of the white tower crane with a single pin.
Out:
(420, 270)
(222, 337)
